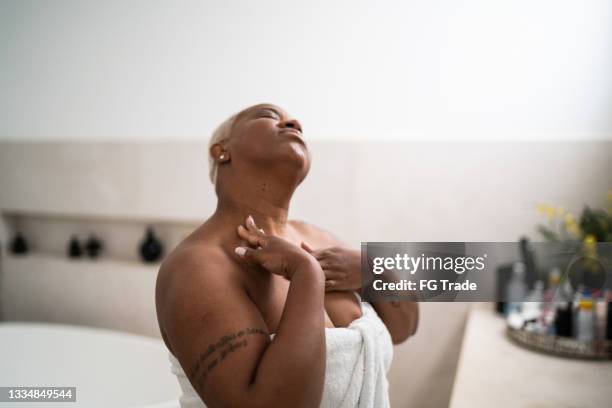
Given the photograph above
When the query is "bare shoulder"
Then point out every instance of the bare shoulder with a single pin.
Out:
(194, 271)
(319, 237)
(187, 260)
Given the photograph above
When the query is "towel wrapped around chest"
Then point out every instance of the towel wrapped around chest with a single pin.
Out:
(357, 361)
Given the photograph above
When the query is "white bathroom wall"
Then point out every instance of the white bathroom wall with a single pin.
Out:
(361, 190)
(410, 70)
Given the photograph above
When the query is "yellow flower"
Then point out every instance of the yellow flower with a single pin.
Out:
(550, 212)
(560, 211)
(569, 219)
(541, 207)
(590, 246)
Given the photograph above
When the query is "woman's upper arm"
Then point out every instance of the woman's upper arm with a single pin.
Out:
(216, 332)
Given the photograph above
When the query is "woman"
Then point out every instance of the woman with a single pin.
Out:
(244, 302)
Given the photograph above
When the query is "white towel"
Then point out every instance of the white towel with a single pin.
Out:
(357, 360)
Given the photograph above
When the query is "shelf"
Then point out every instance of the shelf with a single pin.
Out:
(50, 234)
(52, 262)
(97, 217)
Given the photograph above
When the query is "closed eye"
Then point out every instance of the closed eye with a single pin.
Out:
(269, 113)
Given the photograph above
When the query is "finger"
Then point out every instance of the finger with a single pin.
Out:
(306, 246)
(251, 238)
(331, 274)
(330, 285)
(251, 226)
(248, 254)
(326, 263)
(335, 285)
(318, 255)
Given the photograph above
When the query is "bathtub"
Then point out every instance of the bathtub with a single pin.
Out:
(108, 368)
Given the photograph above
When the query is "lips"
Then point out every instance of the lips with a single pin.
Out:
(293, 132)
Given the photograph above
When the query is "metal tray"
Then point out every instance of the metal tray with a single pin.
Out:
(562, 346)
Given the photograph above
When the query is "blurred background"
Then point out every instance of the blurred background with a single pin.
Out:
(428, 121)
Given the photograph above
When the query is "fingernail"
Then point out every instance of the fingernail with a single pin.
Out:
(240, 251)
(251, 220)
(262, 231)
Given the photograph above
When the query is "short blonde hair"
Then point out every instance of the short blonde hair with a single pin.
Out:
(221, 134)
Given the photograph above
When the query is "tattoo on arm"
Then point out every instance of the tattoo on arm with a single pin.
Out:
(217, 352)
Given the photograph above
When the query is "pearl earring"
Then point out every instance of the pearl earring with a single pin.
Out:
(222, 156)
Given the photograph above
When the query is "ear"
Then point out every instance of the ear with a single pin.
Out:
(219, 153)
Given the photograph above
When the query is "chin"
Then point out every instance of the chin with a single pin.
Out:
(298, 157)
(298, 154)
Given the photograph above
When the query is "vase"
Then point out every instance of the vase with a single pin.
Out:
(151, 248)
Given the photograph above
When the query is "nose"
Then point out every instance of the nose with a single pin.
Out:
(292, 123)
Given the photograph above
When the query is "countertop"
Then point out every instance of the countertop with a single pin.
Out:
(493, 371)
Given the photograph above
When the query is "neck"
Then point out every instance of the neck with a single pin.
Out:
(266, 199)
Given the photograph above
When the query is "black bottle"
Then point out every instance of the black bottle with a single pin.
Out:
(74, 248)
(564, 320)
(529, 260)
(19, 246)
(93, 247)
(151, 248)
(609, 320)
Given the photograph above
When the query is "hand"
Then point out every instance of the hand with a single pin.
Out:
(274, 254)
(342, 267)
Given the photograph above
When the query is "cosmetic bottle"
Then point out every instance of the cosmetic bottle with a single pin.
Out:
(564, 320)
(516, 289)
(601, 311)
(585, 322)
(504, 274)
(549, 306)
(564, 313)
(532, 307)
(552, 289)
(579, 294)
(528, 256)
(609, 316)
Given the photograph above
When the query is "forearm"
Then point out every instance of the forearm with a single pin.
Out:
(292, 369)
(400, 317)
